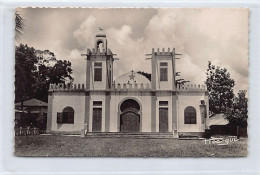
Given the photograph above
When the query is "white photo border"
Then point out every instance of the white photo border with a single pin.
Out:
(9, 164)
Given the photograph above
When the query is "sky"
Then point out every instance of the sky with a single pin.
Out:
(219, 35)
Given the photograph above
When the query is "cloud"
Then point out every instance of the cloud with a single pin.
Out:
(85, 33)
(219, 35)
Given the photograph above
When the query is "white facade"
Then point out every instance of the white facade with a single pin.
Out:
(130, 103)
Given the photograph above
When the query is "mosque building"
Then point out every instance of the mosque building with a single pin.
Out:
(131, 103)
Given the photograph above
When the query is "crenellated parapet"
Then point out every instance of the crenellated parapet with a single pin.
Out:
(66, 87)
(98, 51)
(124, 87)
(163, 51)
(131, 87)
(191, 87)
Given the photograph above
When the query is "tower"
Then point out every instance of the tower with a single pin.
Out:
(99, 70)
(163, 70)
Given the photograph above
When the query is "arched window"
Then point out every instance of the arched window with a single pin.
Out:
(66, 116)
(190, 115)
(100, 44)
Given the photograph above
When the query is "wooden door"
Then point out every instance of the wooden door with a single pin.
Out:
(130, 122)
(97, 120)
(163, 119)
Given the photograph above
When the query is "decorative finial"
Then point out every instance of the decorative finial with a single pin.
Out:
(132, 76)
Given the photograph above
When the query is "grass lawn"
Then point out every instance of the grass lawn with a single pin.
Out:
(124, 147)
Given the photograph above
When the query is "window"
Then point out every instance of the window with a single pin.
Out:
(163, 71)
(97, 71)
(66, 116)
(190, 115)
(163, 103)
(97, 103)
(100, 44)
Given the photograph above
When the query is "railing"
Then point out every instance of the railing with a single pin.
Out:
(28, 131)
(125, 87)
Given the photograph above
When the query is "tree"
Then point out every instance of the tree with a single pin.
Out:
(25, 60)
(35, 70)
(237, 114)
(19, 25)
(220, 86)
(60, 72)
(147, 75)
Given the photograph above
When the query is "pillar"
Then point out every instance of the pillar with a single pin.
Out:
(49, 114)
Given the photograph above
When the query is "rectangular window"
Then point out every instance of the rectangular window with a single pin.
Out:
(97, 71)
(163, 103)
(97, 103)
(163, 71)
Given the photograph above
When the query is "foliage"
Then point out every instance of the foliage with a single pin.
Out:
(35, 70)
(25, 60)
(19, 25)
(220, 86)
(147, 75)
(237, 114)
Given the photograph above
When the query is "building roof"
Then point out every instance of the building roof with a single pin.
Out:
(32, 102)
(20, 111)
(218, 119)
(132, 77)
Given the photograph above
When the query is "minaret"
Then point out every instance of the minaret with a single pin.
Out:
(100, 59)
(163, 69)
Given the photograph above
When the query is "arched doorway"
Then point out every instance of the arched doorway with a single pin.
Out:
(130, 116)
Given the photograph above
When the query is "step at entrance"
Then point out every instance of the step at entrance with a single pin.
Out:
(152, 135)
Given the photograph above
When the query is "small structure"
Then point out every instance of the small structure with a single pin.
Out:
(218, 120)
(218, 125)
(31, 113)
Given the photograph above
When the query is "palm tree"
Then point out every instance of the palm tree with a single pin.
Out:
(19, 25)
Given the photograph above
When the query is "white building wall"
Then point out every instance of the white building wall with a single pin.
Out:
(164, 85)
(77, 102)
(98, 85)
(146, 113)
(113, 114)
(185, 100)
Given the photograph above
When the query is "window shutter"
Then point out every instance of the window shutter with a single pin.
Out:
(59, 118)
(163, 74)
(190, 115)
(70, 117)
